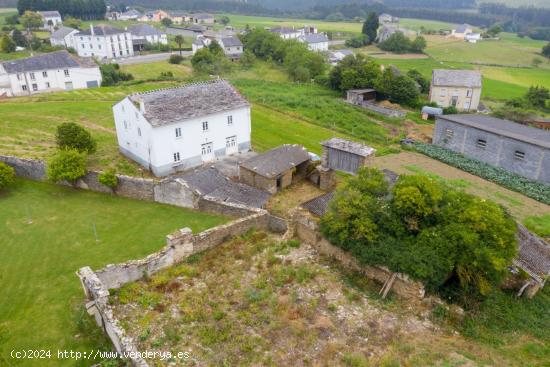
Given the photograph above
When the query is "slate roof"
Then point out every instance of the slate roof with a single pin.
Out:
(534, 255)
(50, 14)
(131, 12)
(211, 182)
(231, 42)
(348, 146)
(319, 205)
(143, 30)
(277, 161)
(53, 60)
(62, 32)
(314, 37)
(501, 127)
(176, 13)
(462, 28)
(456, 78)
(284, 30)
(102, 30)
(166, 106)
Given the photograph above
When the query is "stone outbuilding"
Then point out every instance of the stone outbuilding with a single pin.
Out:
(534, 259)
(345, 155)
(275, 169)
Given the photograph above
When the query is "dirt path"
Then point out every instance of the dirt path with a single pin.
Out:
(409, 163)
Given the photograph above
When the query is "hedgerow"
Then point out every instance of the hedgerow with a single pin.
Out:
(533, 189)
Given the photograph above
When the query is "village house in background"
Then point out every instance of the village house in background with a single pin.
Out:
(232, 46)
(174, 129)
(154, 16)
(517, 148)
(338, 55)
(51, 19)
(131, 14)
(386, 18)
(143, 34)
(461, 31)
(52, 72)
(287, 33)
(276, 169)
(386, 30)
(104, 42)
(315, 41)
(202, 18)
(64, 37)
(458, 88)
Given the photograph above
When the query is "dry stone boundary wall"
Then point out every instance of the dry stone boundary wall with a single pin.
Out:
(179, 245)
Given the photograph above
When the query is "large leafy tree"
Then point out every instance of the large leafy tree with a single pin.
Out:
(6, 44)
(354, 71)
(370, 26)
(31, 20)
(423, 228)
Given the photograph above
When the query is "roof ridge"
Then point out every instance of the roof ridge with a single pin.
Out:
(202, 82)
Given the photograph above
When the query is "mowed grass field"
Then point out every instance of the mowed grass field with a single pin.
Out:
(47, 234)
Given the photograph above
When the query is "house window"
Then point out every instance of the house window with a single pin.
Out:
(47, 84)
(229, 120)
(206, 149)
(449, 133)
(205, 126)
(18, 76)
(35, 87)
(469, 93)
(231, 142)
(177, 157)
(83, 46)
(481, 143)
(24, 87)
(443, 92)
(99, 46)
(125, 124)
(519, 155)
(139, 131)
(66, 72)
(32, 76)
(178, 132)
(45, 74)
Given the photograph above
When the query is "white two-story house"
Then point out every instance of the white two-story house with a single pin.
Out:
(174, 129)
(104, 42)
(146, 34)
(50, 19)
(55, 71)
(64, 37)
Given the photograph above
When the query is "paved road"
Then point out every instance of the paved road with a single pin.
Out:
(144, 59)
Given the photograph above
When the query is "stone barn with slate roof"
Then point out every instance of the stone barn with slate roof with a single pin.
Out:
(174, 129)
(517, 148)
(276, 169)
(458, 88)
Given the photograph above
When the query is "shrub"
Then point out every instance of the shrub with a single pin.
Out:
(7, 175)
(112, 75)
(451, 110)
(6, 44)
(72, 136)
(67, 165)
(443, 237)
(108, 178)
(533, 189)
(175, 59)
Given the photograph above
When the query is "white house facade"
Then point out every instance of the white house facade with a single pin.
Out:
(147, 34)
(175, 129)
(51, 19)
(64, 37)
(461, 31)
(232, 47)
(104, 42)
(55, 71)
(315, 41)
(287, 33)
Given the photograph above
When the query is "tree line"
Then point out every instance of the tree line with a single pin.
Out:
(82, 9)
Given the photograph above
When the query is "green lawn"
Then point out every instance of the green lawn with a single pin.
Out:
(40, 293)
(153, 70)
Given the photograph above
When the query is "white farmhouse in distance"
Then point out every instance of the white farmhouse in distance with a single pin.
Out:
(174, 129)
(51, 19)
(64, 37)
(315, 41)
(104, 42)
(55, 71)
(461, 31)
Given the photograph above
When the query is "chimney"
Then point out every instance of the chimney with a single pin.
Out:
(92, 29)
(142, 107)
